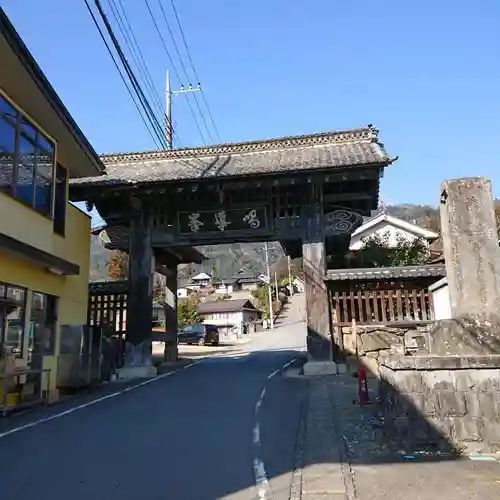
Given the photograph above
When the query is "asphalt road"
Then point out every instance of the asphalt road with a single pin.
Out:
(206, 432)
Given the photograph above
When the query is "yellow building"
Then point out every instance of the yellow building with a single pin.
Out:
(44, 240)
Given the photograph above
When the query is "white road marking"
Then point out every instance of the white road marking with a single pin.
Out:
(93, 402)
(264, 490)
(110, 396)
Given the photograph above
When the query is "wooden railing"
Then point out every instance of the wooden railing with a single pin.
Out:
(381, 306)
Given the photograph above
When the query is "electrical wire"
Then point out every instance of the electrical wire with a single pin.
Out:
(130, 39)
(125, 27)
(140, 94)
(194, 68)
(174, 67)
(172, 37)
(137, 87)
(120, 73)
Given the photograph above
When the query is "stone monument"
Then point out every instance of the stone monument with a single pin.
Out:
(470, 245)
(448, 394)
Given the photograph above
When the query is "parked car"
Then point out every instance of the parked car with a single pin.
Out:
(200, 334)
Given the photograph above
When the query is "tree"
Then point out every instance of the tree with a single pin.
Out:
(261, 296)
(118, 265)
(378, 252)
(187, 312)
(159, 284)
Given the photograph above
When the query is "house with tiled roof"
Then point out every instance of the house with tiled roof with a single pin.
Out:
(393, 228)
(228, 315)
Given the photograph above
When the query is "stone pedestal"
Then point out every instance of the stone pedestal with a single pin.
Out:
(470, 245)
(133, 372)
(319, 368)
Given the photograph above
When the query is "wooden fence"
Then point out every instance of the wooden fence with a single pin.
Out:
(107, 306)
(381, 306)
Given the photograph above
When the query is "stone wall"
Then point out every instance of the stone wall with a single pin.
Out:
(367, 343)
(443, 400)
(438, 383)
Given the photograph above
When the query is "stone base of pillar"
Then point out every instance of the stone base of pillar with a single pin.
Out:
(319, 347)
(171, 352)
(319, 368)
(133, 372)
(140, 354)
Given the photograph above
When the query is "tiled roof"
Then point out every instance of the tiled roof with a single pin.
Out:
(380, 273)
(341, 149)
(224, 306)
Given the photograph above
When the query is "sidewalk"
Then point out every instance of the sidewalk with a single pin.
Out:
(344, 454)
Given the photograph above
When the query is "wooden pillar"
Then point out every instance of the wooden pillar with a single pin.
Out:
(171, 351)
(319, 337)
(138, 349)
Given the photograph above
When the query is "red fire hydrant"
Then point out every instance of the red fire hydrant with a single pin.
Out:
(364, 397)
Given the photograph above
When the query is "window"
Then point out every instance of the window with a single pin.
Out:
(12, 313)
(27, 159)
(42, 338)
(8, 126)
(60, 200)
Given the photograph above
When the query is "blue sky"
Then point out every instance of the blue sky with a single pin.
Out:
(426, 73)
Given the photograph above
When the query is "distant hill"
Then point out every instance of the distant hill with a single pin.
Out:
(225, 260)
(425, 216)
(98, 260)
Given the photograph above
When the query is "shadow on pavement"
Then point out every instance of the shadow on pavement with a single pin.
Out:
(193, 437)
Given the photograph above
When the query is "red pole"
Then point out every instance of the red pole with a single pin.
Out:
(364, 397)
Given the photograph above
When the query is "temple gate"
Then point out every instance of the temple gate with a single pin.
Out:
(308, 192)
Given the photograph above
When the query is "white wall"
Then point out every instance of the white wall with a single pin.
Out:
(381, 229)
(441, 299)
(234, 318)
(226, 289)
(299, 285)
(249, 286)
(222, 319)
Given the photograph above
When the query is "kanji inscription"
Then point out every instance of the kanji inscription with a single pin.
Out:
(223, 221)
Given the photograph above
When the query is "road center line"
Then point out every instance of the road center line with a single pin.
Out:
(264, 490)
(94, 401)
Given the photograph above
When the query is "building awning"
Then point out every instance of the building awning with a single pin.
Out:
(38, 257)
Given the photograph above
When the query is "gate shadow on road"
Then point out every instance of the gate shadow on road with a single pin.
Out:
(192, 436)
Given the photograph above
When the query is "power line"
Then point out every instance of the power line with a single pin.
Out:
(184, 69)
(135, 50)
(152, 118)
(193, 66)
(174, 67)
(120, 73)
(138, 89)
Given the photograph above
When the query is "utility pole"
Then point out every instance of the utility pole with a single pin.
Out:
(276, 284)
(290, 275)
(168, 106)
(271, 315)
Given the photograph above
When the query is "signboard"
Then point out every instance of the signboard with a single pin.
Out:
(223, 221)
